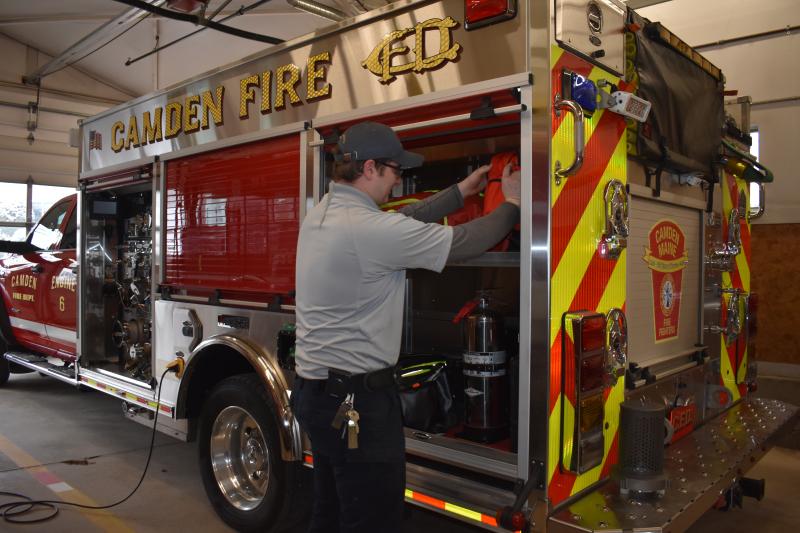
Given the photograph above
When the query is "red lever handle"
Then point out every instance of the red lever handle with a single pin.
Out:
(464, 311)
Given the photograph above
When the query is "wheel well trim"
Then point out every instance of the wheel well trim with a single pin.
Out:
(271, 375)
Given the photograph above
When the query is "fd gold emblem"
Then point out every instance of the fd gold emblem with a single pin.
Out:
(379, 61)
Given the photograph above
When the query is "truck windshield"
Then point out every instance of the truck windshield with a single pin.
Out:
(47, 232)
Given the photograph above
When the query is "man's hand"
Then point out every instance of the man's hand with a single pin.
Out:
(512, 188)
(474, 183)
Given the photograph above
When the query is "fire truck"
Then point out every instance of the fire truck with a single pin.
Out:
(610, 387)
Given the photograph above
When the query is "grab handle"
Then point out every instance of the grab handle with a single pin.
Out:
(577, 113)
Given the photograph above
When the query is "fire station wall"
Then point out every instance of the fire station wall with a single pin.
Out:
(65, 97)
(776, 278)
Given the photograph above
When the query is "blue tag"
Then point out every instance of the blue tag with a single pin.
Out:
(584, 91)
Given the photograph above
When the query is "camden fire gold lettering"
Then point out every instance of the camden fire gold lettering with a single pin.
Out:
(193, 112)
(379, 62)
(191, 115)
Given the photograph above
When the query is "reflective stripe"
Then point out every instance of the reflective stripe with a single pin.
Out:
(434, 502)
(60, 334)
(28, 325)
(463, 512)
(128, 396)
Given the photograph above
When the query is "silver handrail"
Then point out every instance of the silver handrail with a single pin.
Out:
(577, 113)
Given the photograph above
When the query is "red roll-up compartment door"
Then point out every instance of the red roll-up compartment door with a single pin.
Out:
(232, 218)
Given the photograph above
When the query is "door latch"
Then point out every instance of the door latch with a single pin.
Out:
(735, 312)
(615, 238)
(722, 255)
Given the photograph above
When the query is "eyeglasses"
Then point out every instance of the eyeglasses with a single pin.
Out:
(398, 170)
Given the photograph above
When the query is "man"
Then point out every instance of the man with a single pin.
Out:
(351, 262)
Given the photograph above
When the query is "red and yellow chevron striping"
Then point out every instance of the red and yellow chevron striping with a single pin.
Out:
(733, 365)
(580, 278)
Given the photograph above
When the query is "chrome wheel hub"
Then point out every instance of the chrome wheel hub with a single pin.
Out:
(239, 458)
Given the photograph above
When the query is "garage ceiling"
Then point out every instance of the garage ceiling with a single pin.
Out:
(54, 26)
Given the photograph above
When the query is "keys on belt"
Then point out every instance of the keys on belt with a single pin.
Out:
(346, 412)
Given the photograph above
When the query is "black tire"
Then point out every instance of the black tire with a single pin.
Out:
(243, 510)
(5, 370)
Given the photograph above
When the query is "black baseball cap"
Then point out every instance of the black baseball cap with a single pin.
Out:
(372, 140)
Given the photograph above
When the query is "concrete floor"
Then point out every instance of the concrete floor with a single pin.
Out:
(58, 443)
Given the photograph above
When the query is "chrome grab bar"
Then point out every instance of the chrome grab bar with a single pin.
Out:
(762, 203)
(577, 113)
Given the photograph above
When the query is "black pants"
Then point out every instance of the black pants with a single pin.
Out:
(360, 490)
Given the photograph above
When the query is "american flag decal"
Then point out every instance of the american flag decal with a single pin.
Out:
(95, 140)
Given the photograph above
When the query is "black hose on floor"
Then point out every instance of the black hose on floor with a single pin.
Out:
(16, 511)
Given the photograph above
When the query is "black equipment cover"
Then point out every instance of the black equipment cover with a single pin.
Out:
(683, 132)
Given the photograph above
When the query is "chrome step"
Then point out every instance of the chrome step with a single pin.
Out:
(456, 495)
(700, 467)
(41, 364)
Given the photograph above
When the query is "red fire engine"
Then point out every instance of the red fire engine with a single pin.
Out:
(620, 310)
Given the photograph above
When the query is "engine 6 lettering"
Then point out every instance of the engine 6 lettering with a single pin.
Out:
(268, 91)
(66, 280)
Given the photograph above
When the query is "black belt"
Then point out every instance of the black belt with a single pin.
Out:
(340, 382)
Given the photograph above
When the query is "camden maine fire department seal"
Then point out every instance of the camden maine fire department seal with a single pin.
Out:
(666, 257)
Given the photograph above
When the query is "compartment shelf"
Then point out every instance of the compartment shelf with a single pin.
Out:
(491, 259)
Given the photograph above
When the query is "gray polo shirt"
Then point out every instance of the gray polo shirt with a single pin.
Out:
(350, 279)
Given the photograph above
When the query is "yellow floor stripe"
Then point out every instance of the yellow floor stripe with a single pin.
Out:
(103, 519)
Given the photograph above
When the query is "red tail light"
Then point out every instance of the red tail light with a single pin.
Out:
(584, 379)
(592, 372)
(593, 333)
(479, 13)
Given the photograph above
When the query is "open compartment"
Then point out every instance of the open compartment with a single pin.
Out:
(117, 277)
(458, 381)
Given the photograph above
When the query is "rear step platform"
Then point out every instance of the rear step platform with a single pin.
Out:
(699, 467)
(41, 364)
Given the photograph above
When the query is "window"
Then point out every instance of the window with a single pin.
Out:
(13, 209)
(755, 190)
(47, 232)
(69, 241)
(44, 196)
(17, 214)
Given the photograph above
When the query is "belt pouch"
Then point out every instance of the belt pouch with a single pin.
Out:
(338, 383)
